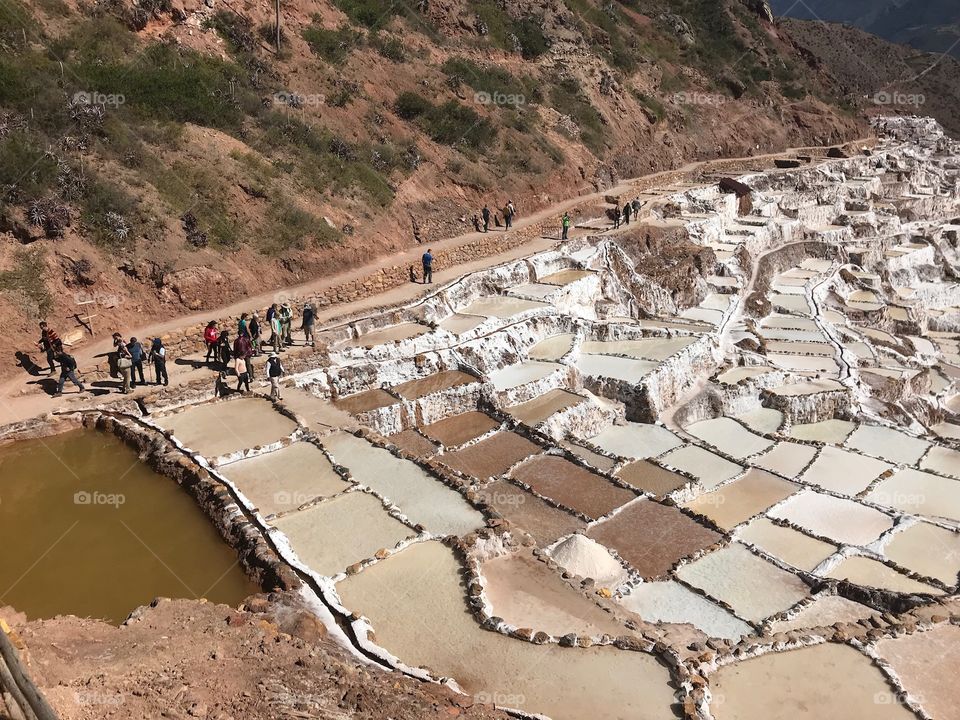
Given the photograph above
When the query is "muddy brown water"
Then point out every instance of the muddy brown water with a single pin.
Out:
(89, 530)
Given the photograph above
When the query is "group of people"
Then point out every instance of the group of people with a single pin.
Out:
(622, 215)
(481, 222)
(251, 341)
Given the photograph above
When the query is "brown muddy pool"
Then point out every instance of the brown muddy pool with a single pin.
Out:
(89, 530)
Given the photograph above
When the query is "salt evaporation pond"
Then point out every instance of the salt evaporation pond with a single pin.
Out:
(671, 602)
(730, 437)
(629, 370)
(636, 440)
(543, 406)
(92, 531)
(927, 549)
(784, 543)
(416, 604)
(840, 520)
(379, 336)
(528, 371)
(552, 348)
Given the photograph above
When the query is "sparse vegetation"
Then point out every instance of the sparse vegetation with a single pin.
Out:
(28, 281)
(334, 46)
(567, 97)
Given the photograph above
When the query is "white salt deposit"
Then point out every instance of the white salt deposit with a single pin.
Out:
(579, 555)
(636, 440)
(671, 602)
(730, 437)
(888, 444)
(841, 520)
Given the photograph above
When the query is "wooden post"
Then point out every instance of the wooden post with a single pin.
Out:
(278, 27)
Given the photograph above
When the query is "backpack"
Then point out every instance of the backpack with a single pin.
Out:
(274, 368)
(68, 363)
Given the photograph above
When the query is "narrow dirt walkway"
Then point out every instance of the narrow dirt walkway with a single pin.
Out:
(21, 397)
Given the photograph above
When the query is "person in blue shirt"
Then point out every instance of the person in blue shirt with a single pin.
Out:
(427, 267)
(136, 357)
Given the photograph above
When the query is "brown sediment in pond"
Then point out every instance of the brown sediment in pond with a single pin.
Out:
(365, 401)
(920, 661)
(571, 485)
(822, 681)
(600, 462)
(457, 430)
(652, 537)
(652, 478)
(492, 456)
(525, 592)
(540, 408)
(541, 520)
(731, 504)
(218, 428)
(421, 387)
(414, 443)
(85, 527)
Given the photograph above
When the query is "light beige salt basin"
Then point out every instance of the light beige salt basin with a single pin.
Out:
(535, 411)
(786, 458)
(866, 571)
(753, 587)
(825, 431)
(552, 348)
(671, 602)
(315, 412)
(710, 469)
(843, 471)
(947, 430)
(789, 322)
(735, 375)
(803, 363)
(808, 387)
(421, 497)
(791, 303)
(459, 429)
(824, 611)
(788, 335)
(417, 608)
(522, 373)
(716, 301)
(629, 370)
(526, 593)
(829, 681)
(712, 317)
(919, 660)
(888, 444)
(942, 460)
(737, 501)
(458, 324)
(817, 265)
(660, 324)
(565, 277)
(218, 428)
(784, 543)
(380, 336)
(927, 550)
(843, 521)
(502, 306)
(919, 493)
(654, 348)
(636, 440)
(535, 291)
(730, 437)
(326, 537)
(762, 420)
(284, 480)
(600, 462)
(582, 557)
(800, 348)
(861, 350)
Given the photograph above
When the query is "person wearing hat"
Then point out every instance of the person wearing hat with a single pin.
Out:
(276, 330)
(275, 372)
(158, 356)
(309, 317)
(286, 323)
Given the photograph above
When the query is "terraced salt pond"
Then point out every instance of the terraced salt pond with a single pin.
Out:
(416, 606)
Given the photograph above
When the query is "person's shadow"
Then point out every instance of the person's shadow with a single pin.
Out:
(27, 363)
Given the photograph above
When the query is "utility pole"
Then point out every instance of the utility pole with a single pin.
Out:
(278, 27)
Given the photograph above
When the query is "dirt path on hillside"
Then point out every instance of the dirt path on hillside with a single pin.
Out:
(23, 396)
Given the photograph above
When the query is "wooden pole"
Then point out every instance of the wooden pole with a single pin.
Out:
(278, 27)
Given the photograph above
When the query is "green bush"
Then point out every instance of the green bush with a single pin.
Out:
(17, 24)
(27, 280)
(392, 48)
(485, 78)
(410, 105)
(567, 98)
(334, 46)
(235, 29)
(529, 34)
(454, 123)
(373, 14)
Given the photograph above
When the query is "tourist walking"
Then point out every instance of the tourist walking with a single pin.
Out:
(275, 372)
(271, 314)
(566, 226)
(626, 213)
(68, 371)
(286, 324)
(158, 356)
(243, 349)
(210, 336)
(427, 266)
(485, 214)
(136, 362)
(242, 328)
(49, 344)
(275, 332)
(309, 318)
(124, 362)
(635, 204)
(224, 349)
(508, 212)
(255, 331)
(243, 377)
(616, 216)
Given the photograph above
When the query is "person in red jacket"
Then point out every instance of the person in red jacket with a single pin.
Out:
(210, 336)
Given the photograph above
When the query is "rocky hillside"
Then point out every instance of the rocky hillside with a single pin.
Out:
(162, 155)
